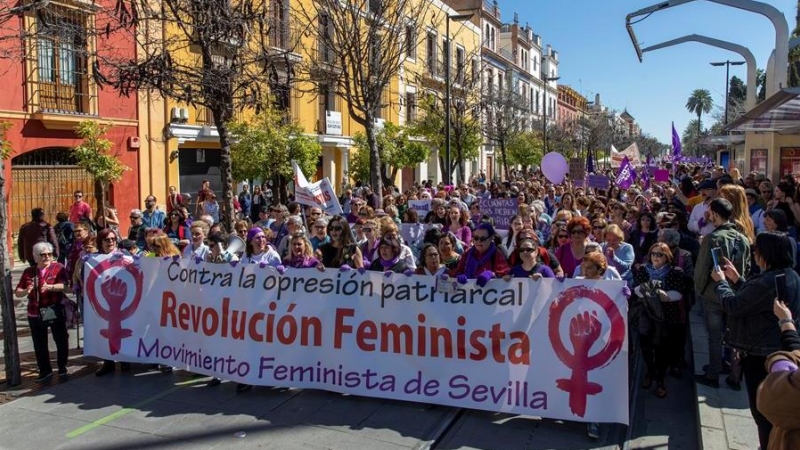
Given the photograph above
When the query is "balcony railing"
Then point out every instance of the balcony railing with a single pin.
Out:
(492, 8)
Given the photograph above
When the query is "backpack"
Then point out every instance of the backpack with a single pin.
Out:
(63, 241)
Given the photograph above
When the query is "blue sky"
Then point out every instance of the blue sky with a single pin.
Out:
(596, 54)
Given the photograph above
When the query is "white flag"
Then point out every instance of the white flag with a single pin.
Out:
(299, 179)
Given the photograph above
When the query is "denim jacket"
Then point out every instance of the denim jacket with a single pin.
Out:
(752, 326)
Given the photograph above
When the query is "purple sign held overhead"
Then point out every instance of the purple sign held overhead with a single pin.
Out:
(501, 210)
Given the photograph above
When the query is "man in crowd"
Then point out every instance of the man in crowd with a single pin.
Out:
(244, 200)
(33, 232)
(698, 223)
(80, 210)
(735, 247)
(152, 217)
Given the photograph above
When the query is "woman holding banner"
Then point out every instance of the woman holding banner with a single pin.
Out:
(484, 260)
(431, 263)
(341, 252)
(530, 265)
(369, 249)
(301, 255)
(107, 240)
(389, 259)
(258, 250)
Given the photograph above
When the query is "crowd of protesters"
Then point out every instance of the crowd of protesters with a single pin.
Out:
(708, 239)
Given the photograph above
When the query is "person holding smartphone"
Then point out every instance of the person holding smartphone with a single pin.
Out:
(749, 305)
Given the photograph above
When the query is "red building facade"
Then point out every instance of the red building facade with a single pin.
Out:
(48, 88)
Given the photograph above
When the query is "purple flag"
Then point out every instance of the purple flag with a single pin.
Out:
(626, 175)
(676, 144)
(647, 172)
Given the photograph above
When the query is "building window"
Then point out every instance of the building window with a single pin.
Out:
(375, 6)
(535, 64)
(523, 59)
(325, 53)
(327, 99)
(476, 74)
(432, 56)
(411, 41)
(63, 84)
(411, 107)
(279, 24)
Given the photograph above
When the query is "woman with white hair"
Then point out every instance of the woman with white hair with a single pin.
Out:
(43, 284)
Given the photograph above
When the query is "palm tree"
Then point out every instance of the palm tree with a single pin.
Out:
(700, 102)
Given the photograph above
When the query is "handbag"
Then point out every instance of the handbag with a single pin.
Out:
(51, 314)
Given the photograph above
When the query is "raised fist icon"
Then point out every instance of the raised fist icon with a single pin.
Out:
(584, 330)
(114, 291)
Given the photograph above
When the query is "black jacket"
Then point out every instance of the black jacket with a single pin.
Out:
(752, 326)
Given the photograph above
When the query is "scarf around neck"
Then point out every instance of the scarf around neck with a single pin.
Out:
(473, 263)
(390, 263)
(657, 274)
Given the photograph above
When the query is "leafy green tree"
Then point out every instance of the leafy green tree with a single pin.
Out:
(691, 138)
(526, 149)
(700, 103)
(266, 143)
(761, 82)
(396, 150)
(94, 155)
(465, 131)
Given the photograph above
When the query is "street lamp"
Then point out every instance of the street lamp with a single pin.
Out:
(727, 65)
(544, 126)
(447, 83)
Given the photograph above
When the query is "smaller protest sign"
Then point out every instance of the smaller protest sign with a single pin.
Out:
(598, 181)
(422, 207)
(577, 169)
(501, 210)
(661, 175)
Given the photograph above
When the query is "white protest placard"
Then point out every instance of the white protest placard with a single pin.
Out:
(319, 194)
(545, 348)
(422, 207)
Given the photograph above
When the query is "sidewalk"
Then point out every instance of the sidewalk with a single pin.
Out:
(723, 414)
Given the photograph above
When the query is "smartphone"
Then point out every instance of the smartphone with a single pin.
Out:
(780, 287)
(716, 255)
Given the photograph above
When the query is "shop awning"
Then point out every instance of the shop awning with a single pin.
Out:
(723, 139)
(779, 113)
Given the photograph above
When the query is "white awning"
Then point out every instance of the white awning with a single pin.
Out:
(779, 113)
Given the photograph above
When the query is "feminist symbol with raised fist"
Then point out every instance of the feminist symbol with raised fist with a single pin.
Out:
(584, 331)
(114, 291)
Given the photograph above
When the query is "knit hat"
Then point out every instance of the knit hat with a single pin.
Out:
(253, 232)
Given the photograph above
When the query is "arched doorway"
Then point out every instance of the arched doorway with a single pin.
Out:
(46, 178)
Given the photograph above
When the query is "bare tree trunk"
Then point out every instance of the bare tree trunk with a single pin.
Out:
(505, 160)
(10, 343)
(227, 218)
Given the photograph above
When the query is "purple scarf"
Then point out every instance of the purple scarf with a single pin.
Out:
(473, 263)
(301, 262)
(389, 264)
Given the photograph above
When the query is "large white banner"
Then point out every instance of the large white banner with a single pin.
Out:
(544, 348)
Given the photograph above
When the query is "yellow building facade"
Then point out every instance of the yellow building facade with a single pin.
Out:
(180, 144)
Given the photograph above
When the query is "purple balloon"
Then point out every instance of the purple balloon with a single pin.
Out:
(554, 167)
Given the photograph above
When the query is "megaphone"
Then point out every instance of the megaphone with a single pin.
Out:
(235, 245)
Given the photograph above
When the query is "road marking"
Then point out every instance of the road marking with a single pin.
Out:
(125, 411)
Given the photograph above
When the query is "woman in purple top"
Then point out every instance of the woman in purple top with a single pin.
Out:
(457, 223)
(301, 255)
(530, 265)
(571, 254)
